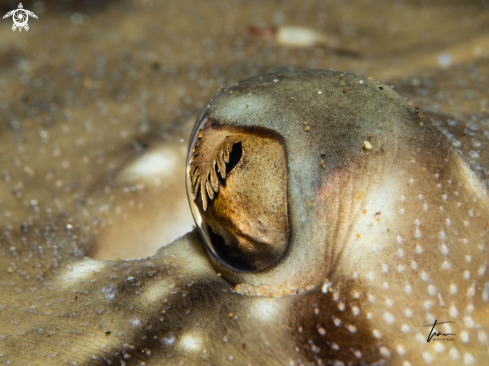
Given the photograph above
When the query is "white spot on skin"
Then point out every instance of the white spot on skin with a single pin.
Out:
(385, 268)
(408, 312)
(474, 155)
(109, 292)
(389, 318)
(482, 269)
(334, 346)
(485, 292)
(453, 289)
(355, 310)
(321, 330)
(464, 336)
(430, 318)
(445, 265)
(169, 340)
(469, 322)
(447, 328)
(471, 290)
(420, 338)
(336, 296)
(190, 342)
(376, 333)
(419, 250)
(453, 352)
(444, 249)
(357, 353)
(444, 61)
(408, 289)
(336, 321)
(384, 351)
(439, 347)
(482, 336)
(440, 299)
(155, 292)
(405, 328)
(355, 294)
(325, 287)
(80, 271)
(381, 198)
(424, 276)
(427, 357)
(351, 328)
(453, 311)
(414, 265)
(162, 162)
(432, 290)
(466, 274)
(468, 359)
(417, 234)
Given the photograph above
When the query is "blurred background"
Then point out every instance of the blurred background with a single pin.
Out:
(98, 98)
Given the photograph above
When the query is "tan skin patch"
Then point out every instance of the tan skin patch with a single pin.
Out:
(244, 210)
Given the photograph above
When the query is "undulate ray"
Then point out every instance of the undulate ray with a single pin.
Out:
(384, 238)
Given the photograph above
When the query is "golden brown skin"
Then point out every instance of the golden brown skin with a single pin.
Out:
(382, 241)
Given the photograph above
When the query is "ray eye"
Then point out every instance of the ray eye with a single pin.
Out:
(237, 188)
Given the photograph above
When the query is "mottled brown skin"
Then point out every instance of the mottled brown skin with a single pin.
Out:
(364, 248)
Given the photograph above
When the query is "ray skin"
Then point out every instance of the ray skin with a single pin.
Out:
(383, 240)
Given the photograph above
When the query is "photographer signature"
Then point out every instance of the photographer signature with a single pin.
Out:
(436, 333)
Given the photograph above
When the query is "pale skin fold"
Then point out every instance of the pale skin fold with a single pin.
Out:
(383, 240)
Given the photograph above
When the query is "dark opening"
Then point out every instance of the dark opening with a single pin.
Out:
(228, 255)
(197, 190)
(234, 157)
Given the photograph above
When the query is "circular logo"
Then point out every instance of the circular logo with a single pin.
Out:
(20, 18)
